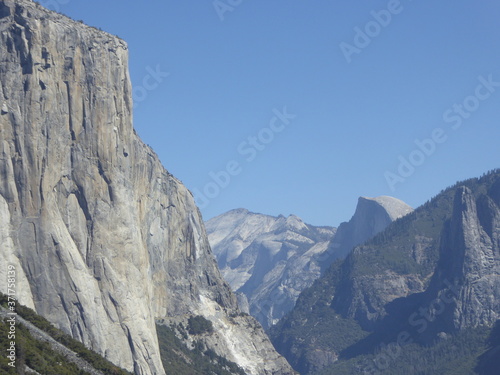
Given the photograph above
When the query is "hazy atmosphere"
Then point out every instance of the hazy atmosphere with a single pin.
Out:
(239, 187)
(361, 82)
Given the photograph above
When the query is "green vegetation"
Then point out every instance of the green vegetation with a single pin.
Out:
(83, 352)
(38, 355)
(327, 333)
(489, 362)
(455, 355)
(198, 325)
(178, 359)
(392, 248)
(313, 325)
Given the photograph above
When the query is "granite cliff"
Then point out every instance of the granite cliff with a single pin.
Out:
(372, 215)
(104, 240)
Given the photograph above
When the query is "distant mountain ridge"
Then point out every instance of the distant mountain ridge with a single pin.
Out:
(267, 260)
(270, 260)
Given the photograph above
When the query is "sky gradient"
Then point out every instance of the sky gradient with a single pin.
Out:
(301, 107)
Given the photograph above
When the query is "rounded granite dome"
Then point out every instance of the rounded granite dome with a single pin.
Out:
(394, 207)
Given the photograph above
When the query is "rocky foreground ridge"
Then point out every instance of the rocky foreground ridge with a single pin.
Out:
(104, 240)
(428, 276)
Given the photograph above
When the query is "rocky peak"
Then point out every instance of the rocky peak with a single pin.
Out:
(268, 260)
(471, 258)
(395, 208)
(295, 223)
(372, 215)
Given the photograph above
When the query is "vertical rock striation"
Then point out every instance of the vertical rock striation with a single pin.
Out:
(431, 273)
(470, 258)
(103, 238)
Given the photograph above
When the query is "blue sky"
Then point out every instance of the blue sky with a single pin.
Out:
(299, 107)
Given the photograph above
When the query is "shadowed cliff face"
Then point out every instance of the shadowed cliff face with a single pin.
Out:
(466, 253)
(371, 217)
(471, 259)
(103, 238)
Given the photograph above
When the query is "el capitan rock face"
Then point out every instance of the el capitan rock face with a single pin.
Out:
(103, 238)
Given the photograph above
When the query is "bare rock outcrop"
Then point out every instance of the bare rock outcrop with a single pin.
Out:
(430, 274)
(270, 260)
(372, 216)
(471, 259)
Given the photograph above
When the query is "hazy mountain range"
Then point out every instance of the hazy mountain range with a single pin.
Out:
(270, 260)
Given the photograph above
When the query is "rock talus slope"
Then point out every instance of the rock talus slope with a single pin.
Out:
(103, 238)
